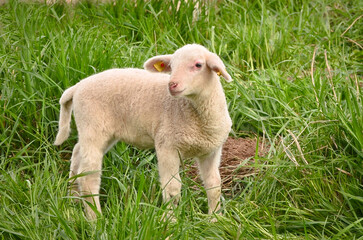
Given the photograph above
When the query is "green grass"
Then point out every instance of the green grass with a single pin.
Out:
(297, 70)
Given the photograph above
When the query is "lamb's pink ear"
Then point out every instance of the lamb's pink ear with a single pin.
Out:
(216, 65)
(158, 64)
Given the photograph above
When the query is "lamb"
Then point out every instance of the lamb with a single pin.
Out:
(176, 105)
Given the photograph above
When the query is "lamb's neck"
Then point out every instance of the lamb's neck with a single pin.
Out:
(211, 109)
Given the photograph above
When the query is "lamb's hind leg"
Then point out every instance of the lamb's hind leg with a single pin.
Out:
(90, 165)
(209, 170)
(75, 161)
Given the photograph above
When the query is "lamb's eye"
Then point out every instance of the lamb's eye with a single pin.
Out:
(198, 65)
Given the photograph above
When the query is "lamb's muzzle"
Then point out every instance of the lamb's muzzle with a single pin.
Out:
(172, 86)
(173, 89)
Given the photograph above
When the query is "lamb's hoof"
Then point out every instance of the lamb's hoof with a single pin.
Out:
(74, 195)
(91, 215)
(213, 219)
(168, 216)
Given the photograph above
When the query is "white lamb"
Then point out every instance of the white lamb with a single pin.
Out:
(181, 115)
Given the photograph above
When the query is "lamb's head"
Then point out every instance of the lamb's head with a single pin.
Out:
(191, 68)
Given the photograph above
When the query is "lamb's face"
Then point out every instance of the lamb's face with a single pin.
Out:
(191, 68)
(189, 71)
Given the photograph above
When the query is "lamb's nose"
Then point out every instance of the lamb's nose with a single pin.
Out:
(172, 85)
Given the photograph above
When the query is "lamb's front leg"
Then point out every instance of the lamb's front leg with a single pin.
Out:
(168, 164)
(209, 170)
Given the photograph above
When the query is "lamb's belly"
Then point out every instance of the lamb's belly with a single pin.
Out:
(143, 141)
(198, 149)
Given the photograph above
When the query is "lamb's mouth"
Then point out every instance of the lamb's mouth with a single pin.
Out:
(176, 93)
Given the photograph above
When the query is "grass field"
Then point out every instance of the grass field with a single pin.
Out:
(297, 70)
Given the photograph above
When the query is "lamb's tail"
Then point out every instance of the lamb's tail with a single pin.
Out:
(65, 115)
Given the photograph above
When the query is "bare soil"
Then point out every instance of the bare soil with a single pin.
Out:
(237, 161)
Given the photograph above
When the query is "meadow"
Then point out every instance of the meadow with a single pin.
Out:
(297, 83)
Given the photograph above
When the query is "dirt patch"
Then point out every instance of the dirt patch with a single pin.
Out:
(237, 161)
